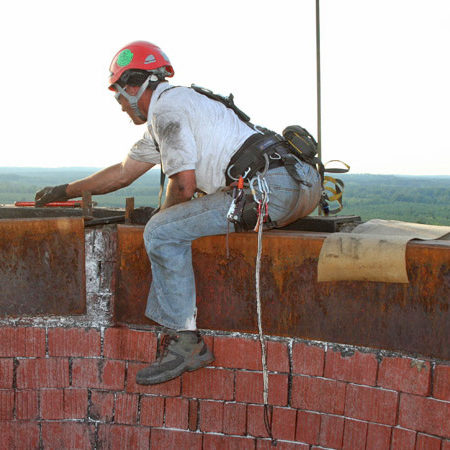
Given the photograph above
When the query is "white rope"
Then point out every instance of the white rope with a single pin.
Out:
(258, 307)
(262, 212)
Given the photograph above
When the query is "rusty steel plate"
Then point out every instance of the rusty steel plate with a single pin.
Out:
(133, 276)
(412, 318)
(42, 267)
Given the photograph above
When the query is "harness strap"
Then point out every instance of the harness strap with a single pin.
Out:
(250, 159)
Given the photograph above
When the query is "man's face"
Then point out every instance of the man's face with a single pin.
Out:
(126, 107)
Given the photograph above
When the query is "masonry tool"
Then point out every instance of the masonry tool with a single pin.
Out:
(68, 204)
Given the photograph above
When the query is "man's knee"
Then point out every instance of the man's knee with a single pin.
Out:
(153, 231)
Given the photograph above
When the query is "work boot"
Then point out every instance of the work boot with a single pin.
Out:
(180, 352)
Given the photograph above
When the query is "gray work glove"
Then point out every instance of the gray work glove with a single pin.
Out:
(51, 194)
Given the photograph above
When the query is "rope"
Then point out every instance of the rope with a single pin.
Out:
(262, 211)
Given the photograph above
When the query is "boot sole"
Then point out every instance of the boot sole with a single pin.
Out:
(200, 362)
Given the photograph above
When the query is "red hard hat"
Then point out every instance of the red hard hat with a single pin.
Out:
(141, 55)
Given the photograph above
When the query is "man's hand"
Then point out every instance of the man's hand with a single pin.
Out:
(51, 194)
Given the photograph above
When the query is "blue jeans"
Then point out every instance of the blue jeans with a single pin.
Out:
(168, 236)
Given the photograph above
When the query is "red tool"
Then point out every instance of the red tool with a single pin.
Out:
(68, 204)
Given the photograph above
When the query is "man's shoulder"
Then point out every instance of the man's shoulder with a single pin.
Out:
(172, 93)
(181, 100)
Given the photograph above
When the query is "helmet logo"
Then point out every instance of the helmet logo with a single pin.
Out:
(150, 59)
(124, 58)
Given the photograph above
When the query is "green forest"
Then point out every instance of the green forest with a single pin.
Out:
(420, 199)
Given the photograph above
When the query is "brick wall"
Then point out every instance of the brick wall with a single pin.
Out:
(64, 388)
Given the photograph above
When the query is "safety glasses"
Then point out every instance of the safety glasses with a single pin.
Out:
(118, 94)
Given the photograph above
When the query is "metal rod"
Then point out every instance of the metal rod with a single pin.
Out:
(319, 109)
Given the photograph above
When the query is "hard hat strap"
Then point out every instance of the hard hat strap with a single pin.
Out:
(134, 99)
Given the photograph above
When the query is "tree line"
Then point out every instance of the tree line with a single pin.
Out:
(424, 199)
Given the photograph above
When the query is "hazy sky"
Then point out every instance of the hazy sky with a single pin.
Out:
(385, 75)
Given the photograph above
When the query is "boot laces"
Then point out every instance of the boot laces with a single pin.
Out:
(165, 343)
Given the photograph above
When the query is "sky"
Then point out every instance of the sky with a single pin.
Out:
(385, 75)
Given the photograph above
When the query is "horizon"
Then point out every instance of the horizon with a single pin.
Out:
(157, 168)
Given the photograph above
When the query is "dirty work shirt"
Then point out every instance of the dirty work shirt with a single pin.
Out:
(193, 132)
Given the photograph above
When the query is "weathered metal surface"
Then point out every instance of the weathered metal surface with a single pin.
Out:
(11, 212)
(412, 318)
(42, 267)
(133, 276)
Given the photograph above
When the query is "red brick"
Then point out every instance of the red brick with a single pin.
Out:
(152, 411)
(67, 435)
(283, 423)
(441, 385)
(307, 359)
(355, 433)
(425, 414)
(98, 374)
(170, 388)
(64, 403)
(126, 409)
(102, 406)
(43, 372)
(73, 342)
(249, 388)
(308, 427)
(193, 414)
(209, 341)
(216, 442)
(318, 394)
(266, 444)
(22, 341)
(403, 439)
(75, 403)
(277, 356)
(234, 418)
(255, 421)
(214, 384)
(425, 442)
(19, 435)
(378, 436)
(177, 413)
(211, 416)
(445, 445)
(6, 373)
(27, 405)
(405, 375)
(6, 405)
(331, 431)
(371, 404)
(358, 368)
(120, 437)
(123, 343)
(237, 353)
(170, 439)
(52, 404)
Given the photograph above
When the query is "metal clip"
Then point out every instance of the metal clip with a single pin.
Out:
(263, 189)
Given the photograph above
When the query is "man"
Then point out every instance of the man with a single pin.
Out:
(203, 143)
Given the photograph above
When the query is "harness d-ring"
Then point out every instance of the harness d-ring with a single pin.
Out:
(236, 179)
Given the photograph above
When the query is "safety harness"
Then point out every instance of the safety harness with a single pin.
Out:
(265, 145)
(265, 150)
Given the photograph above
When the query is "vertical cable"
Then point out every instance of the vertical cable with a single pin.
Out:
(319, 108)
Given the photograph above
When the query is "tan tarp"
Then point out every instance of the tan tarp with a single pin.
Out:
(373, 251)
